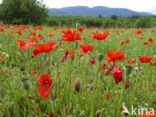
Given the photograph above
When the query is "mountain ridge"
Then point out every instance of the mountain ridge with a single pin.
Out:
(94, 11)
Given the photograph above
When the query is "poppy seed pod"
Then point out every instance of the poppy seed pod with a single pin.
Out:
(98, 113)
(76, 44)
(60, 42)
(128, 70)
(100, 75)
(77, 84)
(26, 84)
(139, 64)
(100, 56)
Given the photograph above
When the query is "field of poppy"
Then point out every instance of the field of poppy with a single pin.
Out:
(76, 71)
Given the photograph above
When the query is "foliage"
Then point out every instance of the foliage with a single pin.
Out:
(23, 11)
(107, 22)
(80, 77)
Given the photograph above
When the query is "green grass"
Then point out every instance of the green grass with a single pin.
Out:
(14, 99)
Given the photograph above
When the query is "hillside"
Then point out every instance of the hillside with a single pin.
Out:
(95, 11)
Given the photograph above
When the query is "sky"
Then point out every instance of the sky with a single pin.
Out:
(136, 5)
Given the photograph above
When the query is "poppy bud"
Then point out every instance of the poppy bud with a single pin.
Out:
(60, 42)
(51, 114)
(127, 85)
(76, 44)
(100, 56)
(77, 84)
(91, 88)
(32, 56)
(98, 113)
(100, 75)
(26, 84)
(139, 64)
(128, 70)
(22, 69)
(77, 25)
(0, 47)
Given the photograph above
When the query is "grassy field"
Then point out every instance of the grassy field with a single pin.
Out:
(87, 72)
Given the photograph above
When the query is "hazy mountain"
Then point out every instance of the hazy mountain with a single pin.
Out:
(95, 11)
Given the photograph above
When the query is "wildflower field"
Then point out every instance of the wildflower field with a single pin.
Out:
(76, 71)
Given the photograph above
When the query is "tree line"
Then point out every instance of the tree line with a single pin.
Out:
(108, 22)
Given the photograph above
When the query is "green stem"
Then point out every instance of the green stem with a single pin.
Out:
(93, 96)
(12, 93)
(122, 96)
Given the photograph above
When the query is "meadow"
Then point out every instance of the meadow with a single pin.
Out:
(48, 71)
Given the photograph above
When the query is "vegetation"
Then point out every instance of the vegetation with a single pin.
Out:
(23, 12)
(82, 70)
(107, 22)
(62, 72)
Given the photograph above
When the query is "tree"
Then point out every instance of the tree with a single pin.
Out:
(100, 16)
(23, 11)
(142, 22)
(114, 17)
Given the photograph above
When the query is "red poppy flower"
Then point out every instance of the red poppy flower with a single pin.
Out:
(122, 43)
(131, 61)
(32, 38)
(93, 61)
(1, 57)
(117, 73)
(127, 42)
(139, 32)
(51, 114)
(85, 48)
(18, 32)
(32, 33)
(50, 35)
(103, 67)
(150, 40)
(39, 35)
(100, 35)
(127, 85)
(81, 55)
(109, 60)
(108, 95)
(146, 43)
(47, 47)
(41, 38)
(69, 51)
(108, 72)
(34, 72)
(1, 30)
(140, 37)
(23, 45)
(80, 29)
(116, 55)
(44, 87)
(154, 64)
(71, 36)
(39, 28)
(145, 59)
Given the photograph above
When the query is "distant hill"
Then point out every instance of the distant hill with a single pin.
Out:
(95, 11)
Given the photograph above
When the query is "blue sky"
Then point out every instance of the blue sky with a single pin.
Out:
(136, 5)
